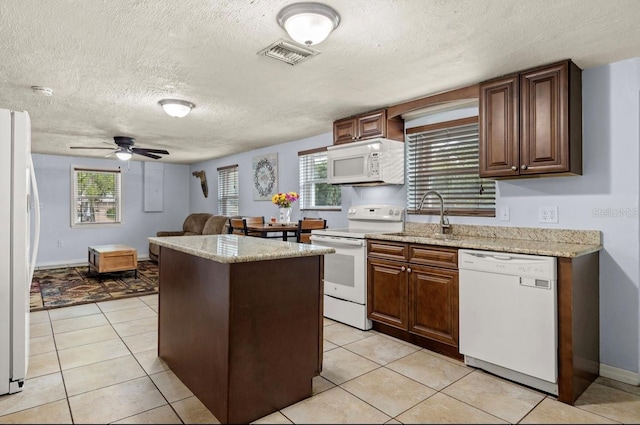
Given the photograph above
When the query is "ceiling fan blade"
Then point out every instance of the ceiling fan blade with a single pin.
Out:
(87, 147)
(150, 155)
(140, 150)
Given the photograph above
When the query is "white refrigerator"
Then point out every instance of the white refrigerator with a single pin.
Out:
(18, 196)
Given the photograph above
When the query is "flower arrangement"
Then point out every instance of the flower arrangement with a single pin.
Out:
(284, 200)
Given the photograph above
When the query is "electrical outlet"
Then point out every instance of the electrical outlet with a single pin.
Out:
(60, 243)
(548, 214)
(504, 213)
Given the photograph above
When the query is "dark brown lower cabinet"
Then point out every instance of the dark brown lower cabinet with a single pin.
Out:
(433, 303)
(387, 293)
(411, 300)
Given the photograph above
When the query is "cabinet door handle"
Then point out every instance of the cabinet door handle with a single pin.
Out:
(403, 268)
(524, 167)
(408, 269)
(514, 168)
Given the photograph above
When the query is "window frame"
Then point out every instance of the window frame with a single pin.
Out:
(223, 196)
(411, 193)
(73, 198)
(302, 155)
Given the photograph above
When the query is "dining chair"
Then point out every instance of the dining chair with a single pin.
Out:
(238, 226)
(306, 225)
(254, 220)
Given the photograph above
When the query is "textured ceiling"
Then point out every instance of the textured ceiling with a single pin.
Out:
(110, 61)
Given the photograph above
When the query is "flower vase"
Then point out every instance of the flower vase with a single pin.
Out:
(285, 215)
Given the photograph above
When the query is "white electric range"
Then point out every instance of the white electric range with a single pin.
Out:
(345, 272)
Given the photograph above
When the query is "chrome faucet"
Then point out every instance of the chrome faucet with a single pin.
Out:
(444, 222)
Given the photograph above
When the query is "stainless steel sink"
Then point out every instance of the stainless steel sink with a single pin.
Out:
(448, 237)
(439, 236)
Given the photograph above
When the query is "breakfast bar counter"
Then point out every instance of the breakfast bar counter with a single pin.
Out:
(240, 320)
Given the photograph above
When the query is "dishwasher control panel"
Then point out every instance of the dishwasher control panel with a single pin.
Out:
(524, 265)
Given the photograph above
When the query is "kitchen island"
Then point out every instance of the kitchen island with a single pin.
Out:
(240, 320)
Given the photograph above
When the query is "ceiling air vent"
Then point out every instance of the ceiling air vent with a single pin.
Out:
(288, 52)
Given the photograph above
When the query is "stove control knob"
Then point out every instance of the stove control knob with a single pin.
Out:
(390, 212)
(397, 212)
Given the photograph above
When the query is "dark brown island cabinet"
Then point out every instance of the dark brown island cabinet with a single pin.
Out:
(240, 321)
(413, 295)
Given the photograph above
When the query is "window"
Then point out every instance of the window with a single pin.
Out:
(228, 190)
(97, 197)
(444, 157)
(315, 192)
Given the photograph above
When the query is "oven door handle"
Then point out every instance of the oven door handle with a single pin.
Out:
(337, 241)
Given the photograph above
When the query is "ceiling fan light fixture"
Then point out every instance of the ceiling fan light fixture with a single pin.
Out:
(45, 91)
(176, 108)
(308, 23)
(123, 155)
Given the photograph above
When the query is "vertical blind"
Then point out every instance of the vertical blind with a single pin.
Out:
(96, 196)
(444, 157)
(315, 192)
(228, 190)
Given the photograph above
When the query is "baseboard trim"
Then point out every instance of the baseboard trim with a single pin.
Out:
(58, 264)
(622, 375)
(73, 263)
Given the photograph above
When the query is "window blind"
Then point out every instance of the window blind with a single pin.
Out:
(315, 192)
(228, 195)
(97, 196)
(444, 157)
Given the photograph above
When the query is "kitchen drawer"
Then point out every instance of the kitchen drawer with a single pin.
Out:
(434, 256)
(388, 250)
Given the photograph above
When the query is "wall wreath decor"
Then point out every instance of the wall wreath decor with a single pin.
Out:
(265, 176)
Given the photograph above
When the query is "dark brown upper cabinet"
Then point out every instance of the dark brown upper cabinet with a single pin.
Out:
(368, 126)
(531, 123)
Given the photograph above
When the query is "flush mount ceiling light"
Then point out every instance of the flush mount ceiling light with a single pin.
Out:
(308, 23)
(176, 108)
(45, 91)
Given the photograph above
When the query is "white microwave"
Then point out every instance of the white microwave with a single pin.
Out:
(369, 162)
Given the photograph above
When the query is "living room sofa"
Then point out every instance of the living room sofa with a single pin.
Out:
(194, 224)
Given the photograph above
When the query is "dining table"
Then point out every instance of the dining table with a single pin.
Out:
(282, 229)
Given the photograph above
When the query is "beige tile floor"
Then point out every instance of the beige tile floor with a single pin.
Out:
(97, 363)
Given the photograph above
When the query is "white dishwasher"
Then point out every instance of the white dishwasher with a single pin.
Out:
(508, 316)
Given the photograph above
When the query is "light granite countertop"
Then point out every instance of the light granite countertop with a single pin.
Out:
(519, 240)
(238, 248)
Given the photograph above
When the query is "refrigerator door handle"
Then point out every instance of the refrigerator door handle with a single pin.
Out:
(36, 207)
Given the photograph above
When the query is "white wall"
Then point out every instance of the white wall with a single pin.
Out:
(53, 174)
(610, 184)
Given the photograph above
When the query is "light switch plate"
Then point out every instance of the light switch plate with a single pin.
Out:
(504, 213)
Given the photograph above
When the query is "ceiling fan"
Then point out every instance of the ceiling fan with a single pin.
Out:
(125, 149)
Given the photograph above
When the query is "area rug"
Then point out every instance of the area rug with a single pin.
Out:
(63, 287)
